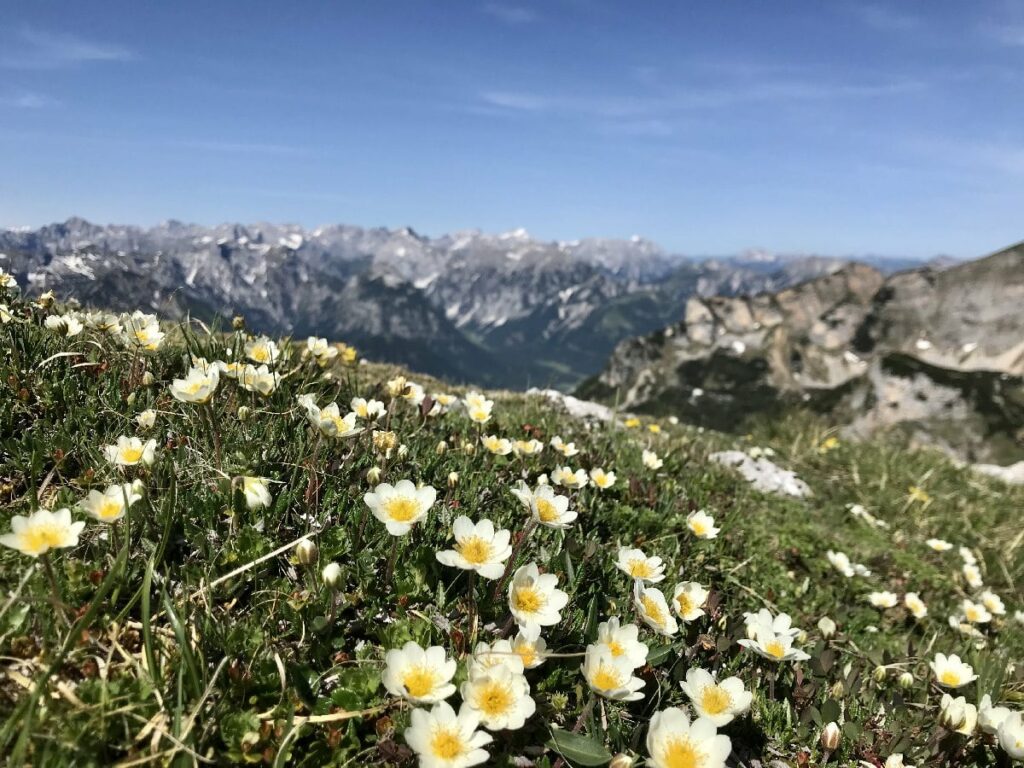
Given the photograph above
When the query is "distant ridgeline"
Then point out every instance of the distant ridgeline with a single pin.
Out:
(499, 310)
(937, 353)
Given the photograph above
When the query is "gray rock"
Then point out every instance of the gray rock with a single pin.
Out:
(763, 474)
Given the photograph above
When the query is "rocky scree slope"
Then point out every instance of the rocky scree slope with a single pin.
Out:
(936, 353)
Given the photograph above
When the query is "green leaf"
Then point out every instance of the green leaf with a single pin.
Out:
(658, 654)
(578, 749)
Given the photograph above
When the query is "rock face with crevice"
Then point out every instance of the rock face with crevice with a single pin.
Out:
(936, 353)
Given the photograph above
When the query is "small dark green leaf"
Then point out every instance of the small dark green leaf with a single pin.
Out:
(578, 749)
(658, 654)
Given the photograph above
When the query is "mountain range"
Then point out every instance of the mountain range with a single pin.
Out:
(493, 309)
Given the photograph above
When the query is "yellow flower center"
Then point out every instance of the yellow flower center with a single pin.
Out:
(714, 700)
(142, 335)
(546, 511)
(194, 386)
(528, 599)
(680, 753)
(479, 414)
(606, 679)
(362, 411)
(131, 455)
(447, 744)
(615, 647)
(640, 568)
(495, 699)
(261, 354)
(474, 550)
(109, 508)
(699, 527)
(973, 614)
(401, 509)
(40, 538)
(951, 678)
(418, 681)
(776, 649)
(685, 603)
(653, 610)
(527, 654)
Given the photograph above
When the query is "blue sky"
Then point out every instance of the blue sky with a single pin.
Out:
(710, 127)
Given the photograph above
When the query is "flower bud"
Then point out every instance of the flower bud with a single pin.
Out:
(453, 479)
(827, 627)
(838, 690)
(332, 576)
(373, 475)
(621, 760)
(130, 399)
(243, 412)
(953, 714)
(442, 448)
(830, 736)
(880, 674)
(906, 681)
(147, 379)
(469, 447)
(403, 451)
(238, 322)
(307, 552)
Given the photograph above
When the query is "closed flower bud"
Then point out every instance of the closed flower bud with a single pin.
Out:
(453, 479)
(307, 552)
(147, 379)
(238, 322)
(559, 701)
(373, 475)
(802, 636)
(469, 447)
(827, 627)
(906, 681)
(838, 690)
(130, 399)
(442, 448)
(880, 674)
(830, 736)
(621, 760)
(243, 412)
(332, 576)
(403, 451)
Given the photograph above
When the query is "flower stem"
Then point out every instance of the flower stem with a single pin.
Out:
(512, 559)
(55, 593)
(391, 562)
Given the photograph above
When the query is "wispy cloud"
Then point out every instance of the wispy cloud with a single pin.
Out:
(36, 49)
(527, 102)
(239, 147)
(27, 100)
(884, 18)
(510, 14)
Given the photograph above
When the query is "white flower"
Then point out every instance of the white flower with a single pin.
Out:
(142, 331)
(111, 505)
(972, 575)
(7, 280)
(321, 350)
(329, 420)
(568, 450)
(764, 623)
(5, 312)
(42, 531)
(673, 741)
(256, 491)
(719, 702)
(529, 646)
(600, 478)
(262, 350)
(827, 627)
(551, 509)
(421, 675)
(146, 419)
(775, 647)
(957, 715)
(478, 407)
(443, 739)
(951, 672)
(651, 460)
(622, 641)
(992, 602)
(841, 563)
(534, 598)
(65, 325)
(499, 446)
(370, 410)
(260, 379)
(968, 556)
(939, 545)
(688, 600)
(478, 548)
(499, 653)
(500, 696)
(527, 447)
(400, 506)
(653, 610)
(975, 613)
(198, 385)
(895, 760)
(130, 451)
(634, 563)
(989, 717)
(1011, 735)
(702, 525)
(610, 676)
(915, 605)
(883, 599)
(569, 478)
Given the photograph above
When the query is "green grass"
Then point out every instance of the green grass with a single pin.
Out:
(165, 661)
